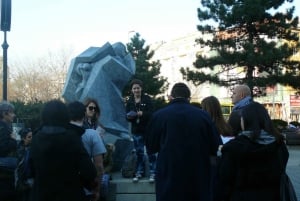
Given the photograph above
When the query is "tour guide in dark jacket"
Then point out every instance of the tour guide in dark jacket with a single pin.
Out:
(61, 165)
(184, 137)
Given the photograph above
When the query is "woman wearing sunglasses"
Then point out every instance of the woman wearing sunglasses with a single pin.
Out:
(92, 115)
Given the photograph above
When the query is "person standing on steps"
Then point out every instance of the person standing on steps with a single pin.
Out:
(139, 109)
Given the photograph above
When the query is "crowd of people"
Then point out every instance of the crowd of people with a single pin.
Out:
(193, 153)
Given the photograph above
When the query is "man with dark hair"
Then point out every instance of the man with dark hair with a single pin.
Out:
(180, 90)
(185, 138)
(91, 139)
(8, 151)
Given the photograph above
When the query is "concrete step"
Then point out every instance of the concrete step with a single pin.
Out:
(124, 189)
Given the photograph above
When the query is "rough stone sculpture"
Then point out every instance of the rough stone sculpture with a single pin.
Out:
(102, 73)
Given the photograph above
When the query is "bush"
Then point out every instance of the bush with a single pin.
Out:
(28, 113)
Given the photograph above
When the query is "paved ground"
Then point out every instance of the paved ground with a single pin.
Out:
(293, 167)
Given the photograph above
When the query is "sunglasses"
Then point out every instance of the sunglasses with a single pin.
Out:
(91, 108)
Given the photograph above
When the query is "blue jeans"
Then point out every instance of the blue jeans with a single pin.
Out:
(139, 146)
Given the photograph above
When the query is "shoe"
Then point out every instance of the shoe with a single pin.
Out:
(137, 177)
(152, 178)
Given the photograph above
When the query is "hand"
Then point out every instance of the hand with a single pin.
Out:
(131, 115)
(13, 136)
(140, 113)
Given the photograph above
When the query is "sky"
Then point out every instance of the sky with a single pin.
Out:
(41, 26)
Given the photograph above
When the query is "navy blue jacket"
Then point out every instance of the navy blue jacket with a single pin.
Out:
(185, 138)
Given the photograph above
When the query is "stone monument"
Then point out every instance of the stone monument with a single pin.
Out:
(102, 73)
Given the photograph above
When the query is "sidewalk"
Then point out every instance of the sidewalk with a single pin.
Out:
(293, 168)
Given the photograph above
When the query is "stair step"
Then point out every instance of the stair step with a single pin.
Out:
(135, 197)
(124, 189)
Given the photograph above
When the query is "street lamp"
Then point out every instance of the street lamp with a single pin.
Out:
(5, 26)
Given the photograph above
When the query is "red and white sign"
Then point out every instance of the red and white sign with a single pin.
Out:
(294, 101)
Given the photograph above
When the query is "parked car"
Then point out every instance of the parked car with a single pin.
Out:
(292, 136)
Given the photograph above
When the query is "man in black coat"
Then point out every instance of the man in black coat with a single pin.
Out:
(184, 137)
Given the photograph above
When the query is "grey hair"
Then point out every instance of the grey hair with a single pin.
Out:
(5, 107)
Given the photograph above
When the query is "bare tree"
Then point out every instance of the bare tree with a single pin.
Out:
(41, 79)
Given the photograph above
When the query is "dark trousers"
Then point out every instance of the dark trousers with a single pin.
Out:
(7, 185)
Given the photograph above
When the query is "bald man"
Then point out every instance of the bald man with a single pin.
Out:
(241, 97)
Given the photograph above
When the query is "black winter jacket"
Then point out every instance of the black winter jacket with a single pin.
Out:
(251, 171)
(61, 166)
(8, 145)
(139, 124)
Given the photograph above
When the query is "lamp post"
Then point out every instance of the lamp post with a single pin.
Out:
(5, 47)
(5, 26)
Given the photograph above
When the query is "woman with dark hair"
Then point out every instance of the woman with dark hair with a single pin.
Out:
(92, 121)
(92, 116)
(23, 181)
(60, 164)
(139, 109)
(212, 105)
(252, 163)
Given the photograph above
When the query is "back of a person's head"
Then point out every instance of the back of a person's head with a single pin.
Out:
(244, 89)
(256, 117)
(180, 90)
(76, 110)
(212, 105)
(55, 113)
(5, 107)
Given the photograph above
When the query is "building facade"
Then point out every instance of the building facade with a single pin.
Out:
(280, 101)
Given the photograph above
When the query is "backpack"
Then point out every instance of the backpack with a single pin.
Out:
(129, 165)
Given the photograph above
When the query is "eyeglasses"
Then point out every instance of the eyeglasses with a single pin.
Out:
(91, 108)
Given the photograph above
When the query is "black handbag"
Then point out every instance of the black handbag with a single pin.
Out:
(287, 191)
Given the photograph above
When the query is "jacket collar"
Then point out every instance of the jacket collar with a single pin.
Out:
(178, 100)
